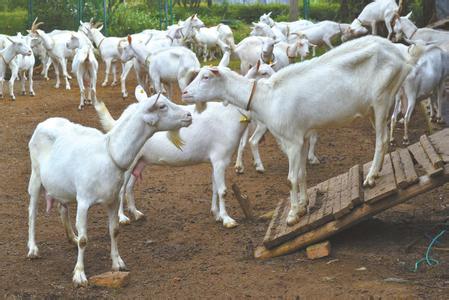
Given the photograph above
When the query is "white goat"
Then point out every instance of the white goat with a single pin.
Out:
(285, 27)
(427, 79)
(377, 11)
(85, 67)
(253, 48)
(25, 64)
(305, 97)
(323, 32)
(208, 41)
(405, 27)
(60, 166)
(263, 29)
(8, 58)
(216, 146)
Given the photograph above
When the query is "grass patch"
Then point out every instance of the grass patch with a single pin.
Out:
(13, 21)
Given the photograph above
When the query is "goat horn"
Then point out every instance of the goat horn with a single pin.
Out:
(98, 24)
(91, 21)
(401, 6)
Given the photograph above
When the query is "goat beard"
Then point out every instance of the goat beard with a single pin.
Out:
(200, 107)
(175, 138)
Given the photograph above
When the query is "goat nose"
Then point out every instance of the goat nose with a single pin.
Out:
(184, 92)
(189, 114)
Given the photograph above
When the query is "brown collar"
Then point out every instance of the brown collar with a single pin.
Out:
(273, 58)
(248, 106)
(413, 33)
(7, 62)
(117, 165)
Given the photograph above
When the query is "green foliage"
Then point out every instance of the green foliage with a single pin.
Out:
(131, 19)
(60, 14)
(13, 21)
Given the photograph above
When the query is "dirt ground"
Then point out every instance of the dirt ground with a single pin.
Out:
(179, 251)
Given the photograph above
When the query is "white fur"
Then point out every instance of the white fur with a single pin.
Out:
(72, 163)
(305, 97)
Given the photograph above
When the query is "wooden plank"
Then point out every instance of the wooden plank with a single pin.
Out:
(334, 194)
(440, 141)
(244, 202)
(385, 184)
(355, 181)
(345, 199)
(315, 217)
(274, 222)
(423, 160)
(399, 172)
(435, 159)
(409, 169)
(358, 214)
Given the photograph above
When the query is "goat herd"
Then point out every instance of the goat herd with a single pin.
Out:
(366, 76)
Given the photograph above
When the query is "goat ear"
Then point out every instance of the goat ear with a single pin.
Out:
(215, 71)
(269, 14)
(409, 15)
(129, 39)
(140, 94)
(100, 28)
(29, 31)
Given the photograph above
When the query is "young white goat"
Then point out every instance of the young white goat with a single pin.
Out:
(8, 58)
(427, 79)
(285, 27)
(305, 97)
(25, 66)
(216, 146)
(73, 163)
(85, 67)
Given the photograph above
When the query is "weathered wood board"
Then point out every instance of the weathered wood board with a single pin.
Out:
(341, 202)
(385, 184)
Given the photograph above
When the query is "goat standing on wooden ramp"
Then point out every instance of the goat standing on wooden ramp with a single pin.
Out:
(358, 78)
(76, 163)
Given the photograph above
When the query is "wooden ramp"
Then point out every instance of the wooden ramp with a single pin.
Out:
(341, 202)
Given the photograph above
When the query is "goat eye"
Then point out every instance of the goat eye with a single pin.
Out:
(205, 77)
(162, 106)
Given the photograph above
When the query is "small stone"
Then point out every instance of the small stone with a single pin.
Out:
(110, 279)
(396, 280)
(319, 250)
(332, 261)
(361, 269)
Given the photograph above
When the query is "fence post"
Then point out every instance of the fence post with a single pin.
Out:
(306, 9)
(105, 19)
(30, 13)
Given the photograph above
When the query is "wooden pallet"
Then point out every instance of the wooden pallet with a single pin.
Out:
(341, 202)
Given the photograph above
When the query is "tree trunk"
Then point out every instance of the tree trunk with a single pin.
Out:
(428, 8)
(294, 14)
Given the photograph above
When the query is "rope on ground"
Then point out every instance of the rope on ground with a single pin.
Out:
(430, 261)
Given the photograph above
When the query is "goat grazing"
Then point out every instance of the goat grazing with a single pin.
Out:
(305, 97)
(60, 166)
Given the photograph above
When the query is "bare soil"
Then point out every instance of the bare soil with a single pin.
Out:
(179, 251)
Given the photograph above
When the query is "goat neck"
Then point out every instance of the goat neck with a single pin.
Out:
(408, 27)
(126, 139)
(141, 52)
(97, 37)
(47, 41)
(8, 54)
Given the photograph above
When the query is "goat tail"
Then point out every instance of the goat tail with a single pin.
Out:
(106, 120)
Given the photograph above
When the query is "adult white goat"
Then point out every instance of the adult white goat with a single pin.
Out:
(25, 66)
(305, 97)
(377, 11)
(263, 29)
(323, 32)
(216, 146)
(60, 166)
(208, 41)
(404, 27)
(8, 59)
(427, 79)
(85, 67)
(253, 48)
(55, 45)
(285, 27)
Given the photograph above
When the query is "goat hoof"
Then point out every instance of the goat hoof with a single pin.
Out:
(369, 182)
(119, 265)
(24, 93)
(124, 220)
(239, 169)
(80, 107)
(79, 279)
(32, 94)
(114, 83)
(1, 96)
(124, 95)
(314, 161)
(440, 121)
(67, 87)
(33, 253)
(292, 219)
(405, 141)
(47, 78)
(138, 215)
(13, 98)
(260, 169)
(104, 84)
(231, 223)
